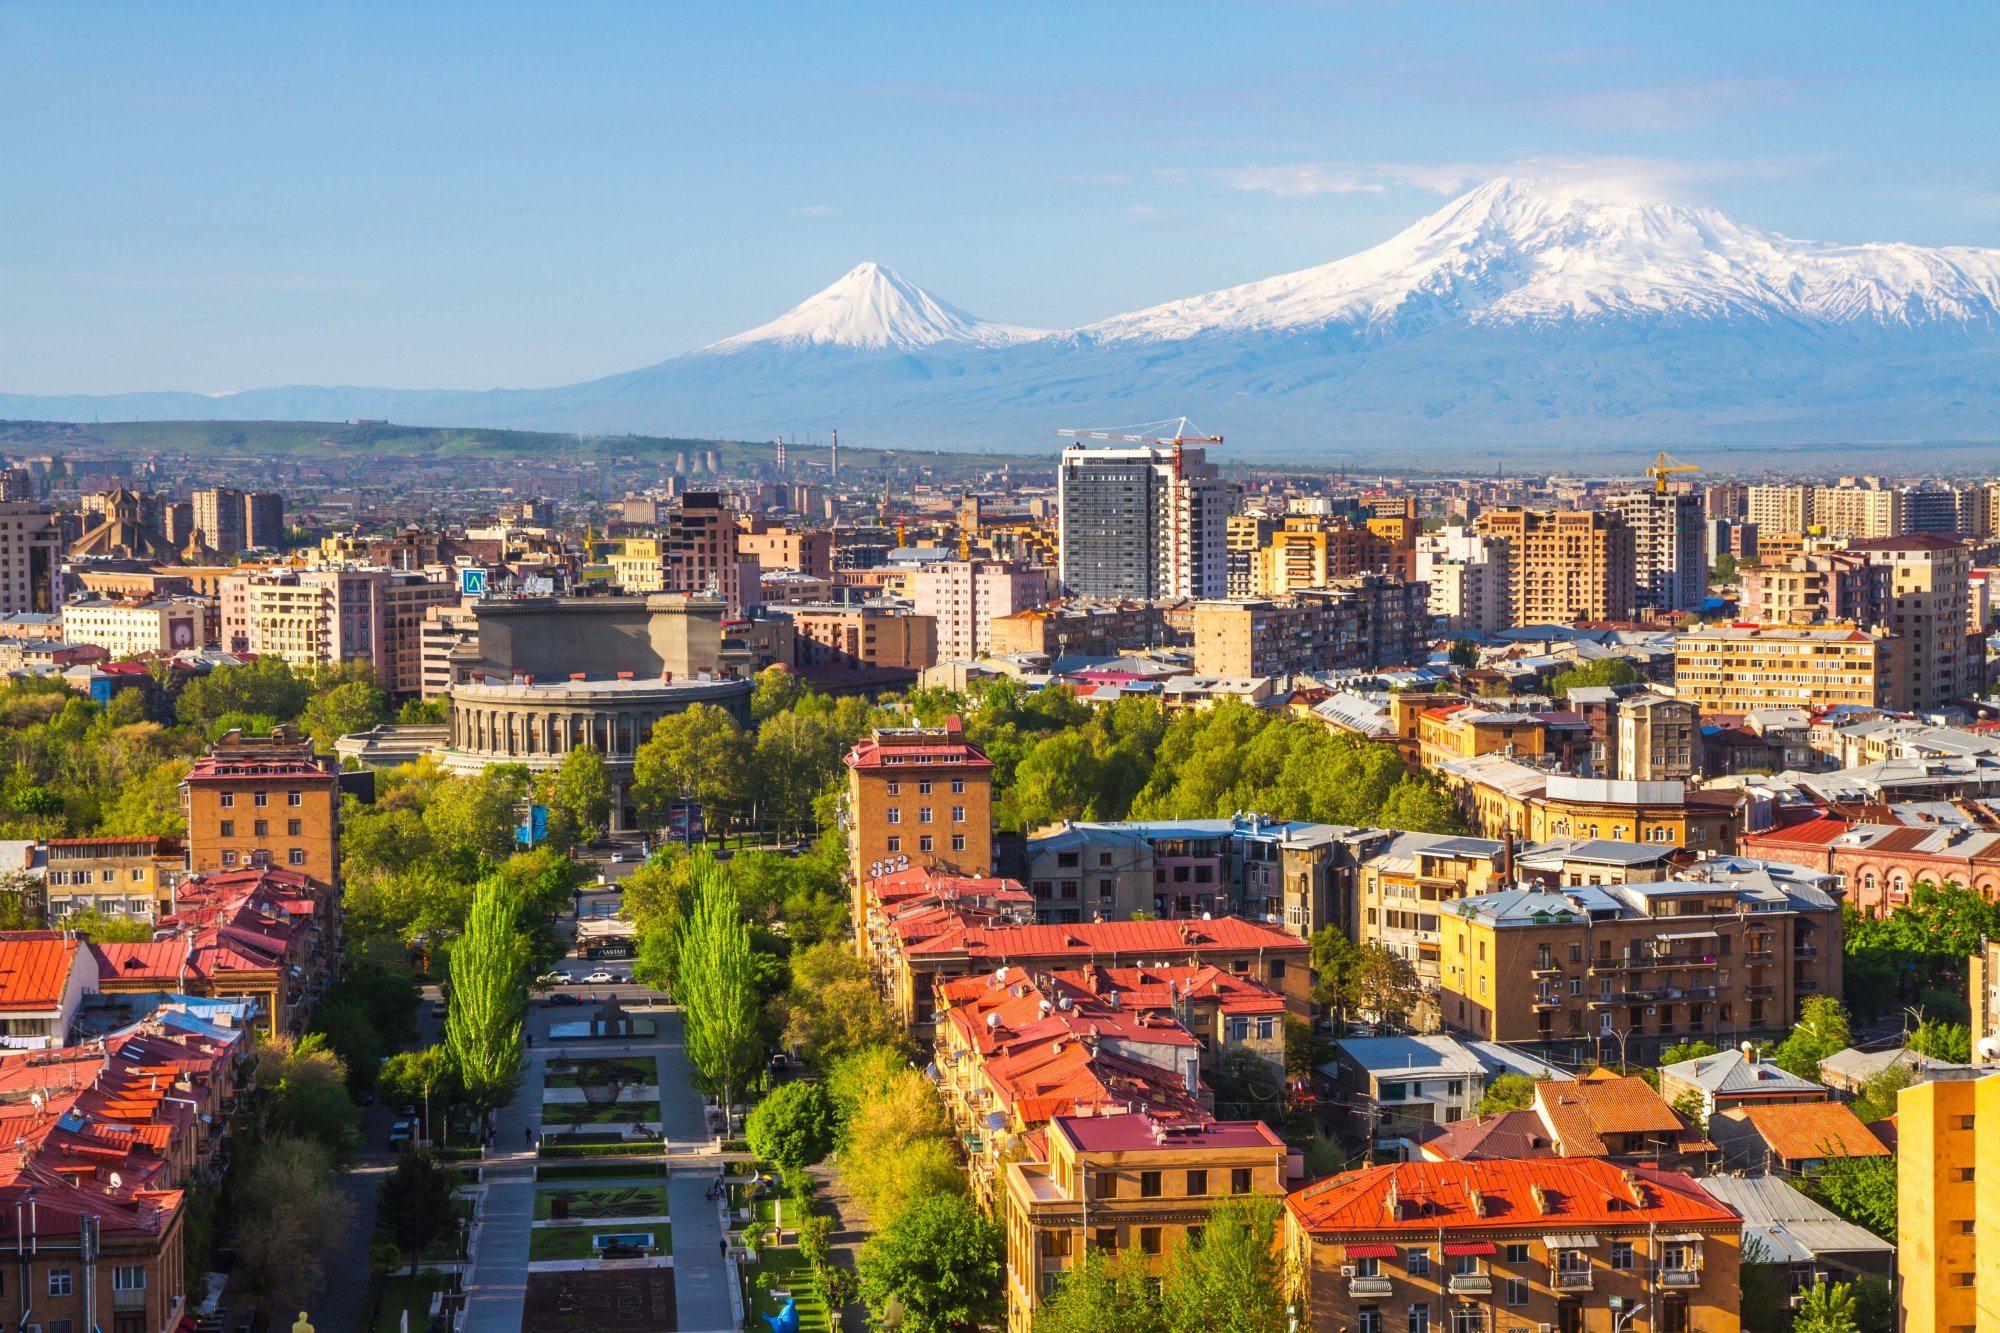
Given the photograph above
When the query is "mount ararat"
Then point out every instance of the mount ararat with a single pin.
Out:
(1526, 313)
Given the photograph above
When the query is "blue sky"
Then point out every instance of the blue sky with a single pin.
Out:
(215, 197)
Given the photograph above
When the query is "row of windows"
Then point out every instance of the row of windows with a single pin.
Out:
(294, 856)
(60, 877)
(1152, 1184)
(261, 828)
(925, 843)
(260, 799)
(895, 814)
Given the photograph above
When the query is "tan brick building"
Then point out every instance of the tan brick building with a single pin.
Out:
(1565, 565)
(264, 801)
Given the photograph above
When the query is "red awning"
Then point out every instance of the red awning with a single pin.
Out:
(1457, 1247)
(1372, 1251)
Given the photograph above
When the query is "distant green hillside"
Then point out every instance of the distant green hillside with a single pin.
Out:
(267, 439)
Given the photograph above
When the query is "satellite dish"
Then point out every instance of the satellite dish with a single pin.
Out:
(117, 1181)
(35, 1099)
(1989, 1048)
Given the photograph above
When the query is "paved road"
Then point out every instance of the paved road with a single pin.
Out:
(497, 1289)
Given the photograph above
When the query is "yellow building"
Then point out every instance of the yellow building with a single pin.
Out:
(1565, 565)
(1948, 1185)
(1466, 732)
(640, 564)
(1735, 668)
(1502, 797)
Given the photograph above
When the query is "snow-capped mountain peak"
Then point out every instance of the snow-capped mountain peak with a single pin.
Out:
(874, 308)
(1552, 251)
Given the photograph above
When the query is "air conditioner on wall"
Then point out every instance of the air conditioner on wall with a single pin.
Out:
(1347, 1270)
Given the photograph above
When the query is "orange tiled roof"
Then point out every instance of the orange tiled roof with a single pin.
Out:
(1581, 1113)
(1433, 1197)
(1802, 1131)
(34, 968)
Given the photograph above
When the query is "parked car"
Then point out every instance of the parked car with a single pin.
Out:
(602, 978)
(438, 1009)
(563, 997)
(365, 1097)
(555, 979)
(617, 858)
(401, 1133)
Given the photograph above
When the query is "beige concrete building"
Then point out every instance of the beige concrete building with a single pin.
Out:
(1659, 739)
(846, 637)
(1565, 565)
(1466, 572)
(963, 598)
(130, 627)
(310, 617)
(30, 559)
(119, 877)
(1735, 668)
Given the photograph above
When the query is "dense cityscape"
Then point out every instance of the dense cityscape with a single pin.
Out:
(730, 884)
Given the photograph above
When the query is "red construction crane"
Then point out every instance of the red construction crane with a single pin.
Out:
(1181, 436)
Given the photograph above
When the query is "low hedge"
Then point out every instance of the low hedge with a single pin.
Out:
(455, 1153)
(601, 1150)
(595, 1170)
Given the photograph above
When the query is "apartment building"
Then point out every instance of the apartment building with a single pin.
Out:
(311, 617)
(1621, 971)
(1669, 549)
(1408, 879)
(1142, 523)
(845, 638)
(1121, 1184)
(1737, 668)
(1922, 596)
(1466, 573)
(777, 547)
(257, 801)
(1085, 627)
(1362, 621)
(1565, 565)
(1311, 552)
(1659, 739)
(1567, 1245)
(132, 627)
(1948, 1195)
(918, 796)
(218, 519)
(444, 630)
(31, 555)
(118, 877)
(963, 597)
(264, 520)
(1245, 536)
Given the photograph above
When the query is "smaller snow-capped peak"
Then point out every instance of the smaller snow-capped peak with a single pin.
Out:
(874, 308)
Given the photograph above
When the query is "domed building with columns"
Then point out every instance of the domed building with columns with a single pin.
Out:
(535, 722)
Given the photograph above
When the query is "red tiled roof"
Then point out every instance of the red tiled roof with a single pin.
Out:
(1141, 1132)
(1510, 1134)
(34, 968)
(1434, 1197)
(1164, 939)
(949, 746)
(1813, 833)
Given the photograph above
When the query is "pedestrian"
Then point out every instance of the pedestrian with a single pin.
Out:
(528, 1133)
(725, 1247)
(531, 1040)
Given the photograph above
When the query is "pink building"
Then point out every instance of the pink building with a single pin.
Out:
(964, 596)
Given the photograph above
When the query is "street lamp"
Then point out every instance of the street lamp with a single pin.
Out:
(1620, 1316)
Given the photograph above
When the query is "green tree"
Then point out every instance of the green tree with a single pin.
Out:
(1943, 1041)
(1722, 571)
(700, 754)
(477, 812)
(149, 805)
(417, 1204)
(1874, 1305)
(1822, 1030)
(793, 1127)
(578, 796)
(776, 690)
(1228, 1281)
(425, 1078)
(1860, 1189)
(794, 759)
(1604, 671)
(1687, 1050)
(1692, 1109)
(1336, 963)
(1463, 654)
(1766, 1287)
(489, 996)
(306, 1089)
(344, 710)
(715, 982)
(832, 1009)
(1827, 1308)
(432, 712)
(1385, 984)
(103, 929)
(289, 1216)
(266, 686)
(1098, 1294)
(1878, 1095)
(940, 1261)
(1509, 1092)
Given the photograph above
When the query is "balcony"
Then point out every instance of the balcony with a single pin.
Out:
(129, 1300)
(1757, 956)
(1370, 1286)
(1803, 950)
(1608, 965)
(1545, 969)
(1471, 1284)
(1680, 1277)
(1757, 992)
(1571, 1279)
(1685, 960)
(1805, 985)
(1542, 1004)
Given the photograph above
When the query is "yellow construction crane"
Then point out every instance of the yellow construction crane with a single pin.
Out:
(1665, 466)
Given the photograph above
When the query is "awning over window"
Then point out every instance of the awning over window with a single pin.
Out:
(1571, 1242)
(1688, 935)
(1457, 1247)
(1690, 1236)
(1372, 1251)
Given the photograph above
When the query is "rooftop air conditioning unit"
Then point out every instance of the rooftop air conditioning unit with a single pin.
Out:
(1347, 1270)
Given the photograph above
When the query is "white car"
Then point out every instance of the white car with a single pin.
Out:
(617, 858)
(602, 979)
(555, 979)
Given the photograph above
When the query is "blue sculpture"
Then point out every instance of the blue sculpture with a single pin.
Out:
(787, 1318)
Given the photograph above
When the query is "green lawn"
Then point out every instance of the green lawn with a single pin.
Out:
(604, 1201)
(583, 1113)
(402, 1293)
(574, 1242)
(788, 1268)
(627, 1071)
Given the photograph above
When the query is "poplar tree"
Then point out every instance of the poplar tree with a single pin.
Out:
(715, 981)
(489, 997)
